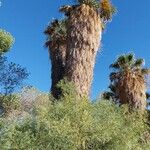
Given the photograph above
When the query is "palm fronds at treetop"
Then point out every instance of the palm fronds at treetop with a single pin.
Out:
(128, 62)
(128, 82)
(106, 10)
(104, 7)
(91, 3)
(56, 31)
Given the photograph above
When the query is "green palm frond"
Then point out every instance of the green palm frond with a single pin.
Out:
(147, 95)
(122, 60)
(106, 8)
(128, 61)
(113, 76)
(139, 62)
(91, 3)
(115, 65)
(112, 87)
(120, 63)
(145, 71)
(56, 31)
(130, 57)
(107, 95)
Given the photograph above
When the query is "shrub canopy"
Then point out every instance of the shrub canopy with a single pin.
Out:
(68, 125)
(6, 41)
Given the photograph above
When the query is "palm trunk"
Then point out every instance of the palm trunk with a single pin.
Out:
(132, 91)
(84, 35)
(57, 54)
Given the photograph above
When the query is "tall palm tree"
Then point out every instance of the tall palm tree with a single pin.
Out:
(128, 82)
(56, 42)
(84, 31)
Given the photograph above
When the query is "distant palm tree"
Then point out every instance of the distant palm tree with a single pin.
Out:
(56, 42)
(84, 29)
(128, 82)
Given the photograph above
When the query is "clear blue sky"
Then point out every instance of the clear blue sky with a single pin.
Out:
(26, 20)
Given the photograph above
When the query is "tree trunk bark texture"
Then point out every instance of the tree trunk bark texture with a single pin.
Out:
(57, 54)
(83, 40)
(132, 91)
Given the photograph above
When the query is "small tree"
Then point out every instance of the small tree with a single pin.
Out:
(11, 76)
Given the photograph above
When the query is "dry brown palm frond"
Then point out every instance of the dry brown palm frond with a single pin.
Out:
(106, 10)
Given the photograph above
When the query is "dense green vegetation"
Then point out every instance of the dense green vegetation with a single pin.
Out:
(11, 76)
(68, 125)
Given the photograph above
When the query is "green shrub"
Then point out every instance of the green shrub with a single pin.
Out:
(72, 124)
(10, 102)
(68, 125)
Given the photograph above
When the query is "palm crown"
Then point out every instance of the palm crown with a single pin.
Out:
(56, 31)
(128, 63)
(125, 64)
(104, 7)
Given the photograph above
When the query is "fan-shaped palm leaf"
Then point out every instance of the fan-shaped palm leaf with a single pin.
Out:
(139, 62)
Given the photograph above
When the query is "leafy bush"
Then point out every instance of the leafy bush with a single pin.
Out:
(71, 124)
(11, 79)
(6, 41)
(10, 102)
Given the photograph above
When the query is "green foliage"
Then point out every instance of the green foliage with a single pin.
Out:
(107, 10)
(127, 61)
(104, 7)
(10, 102)
(16, 135)
(67, 89)
(91, 3)
(6, 41)
(11, 76)
(71, 125)
(56, 31)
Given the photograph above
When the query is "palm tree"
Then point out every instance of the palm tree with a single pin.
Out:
(128, 82)
(56, 42)
(84, 31)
